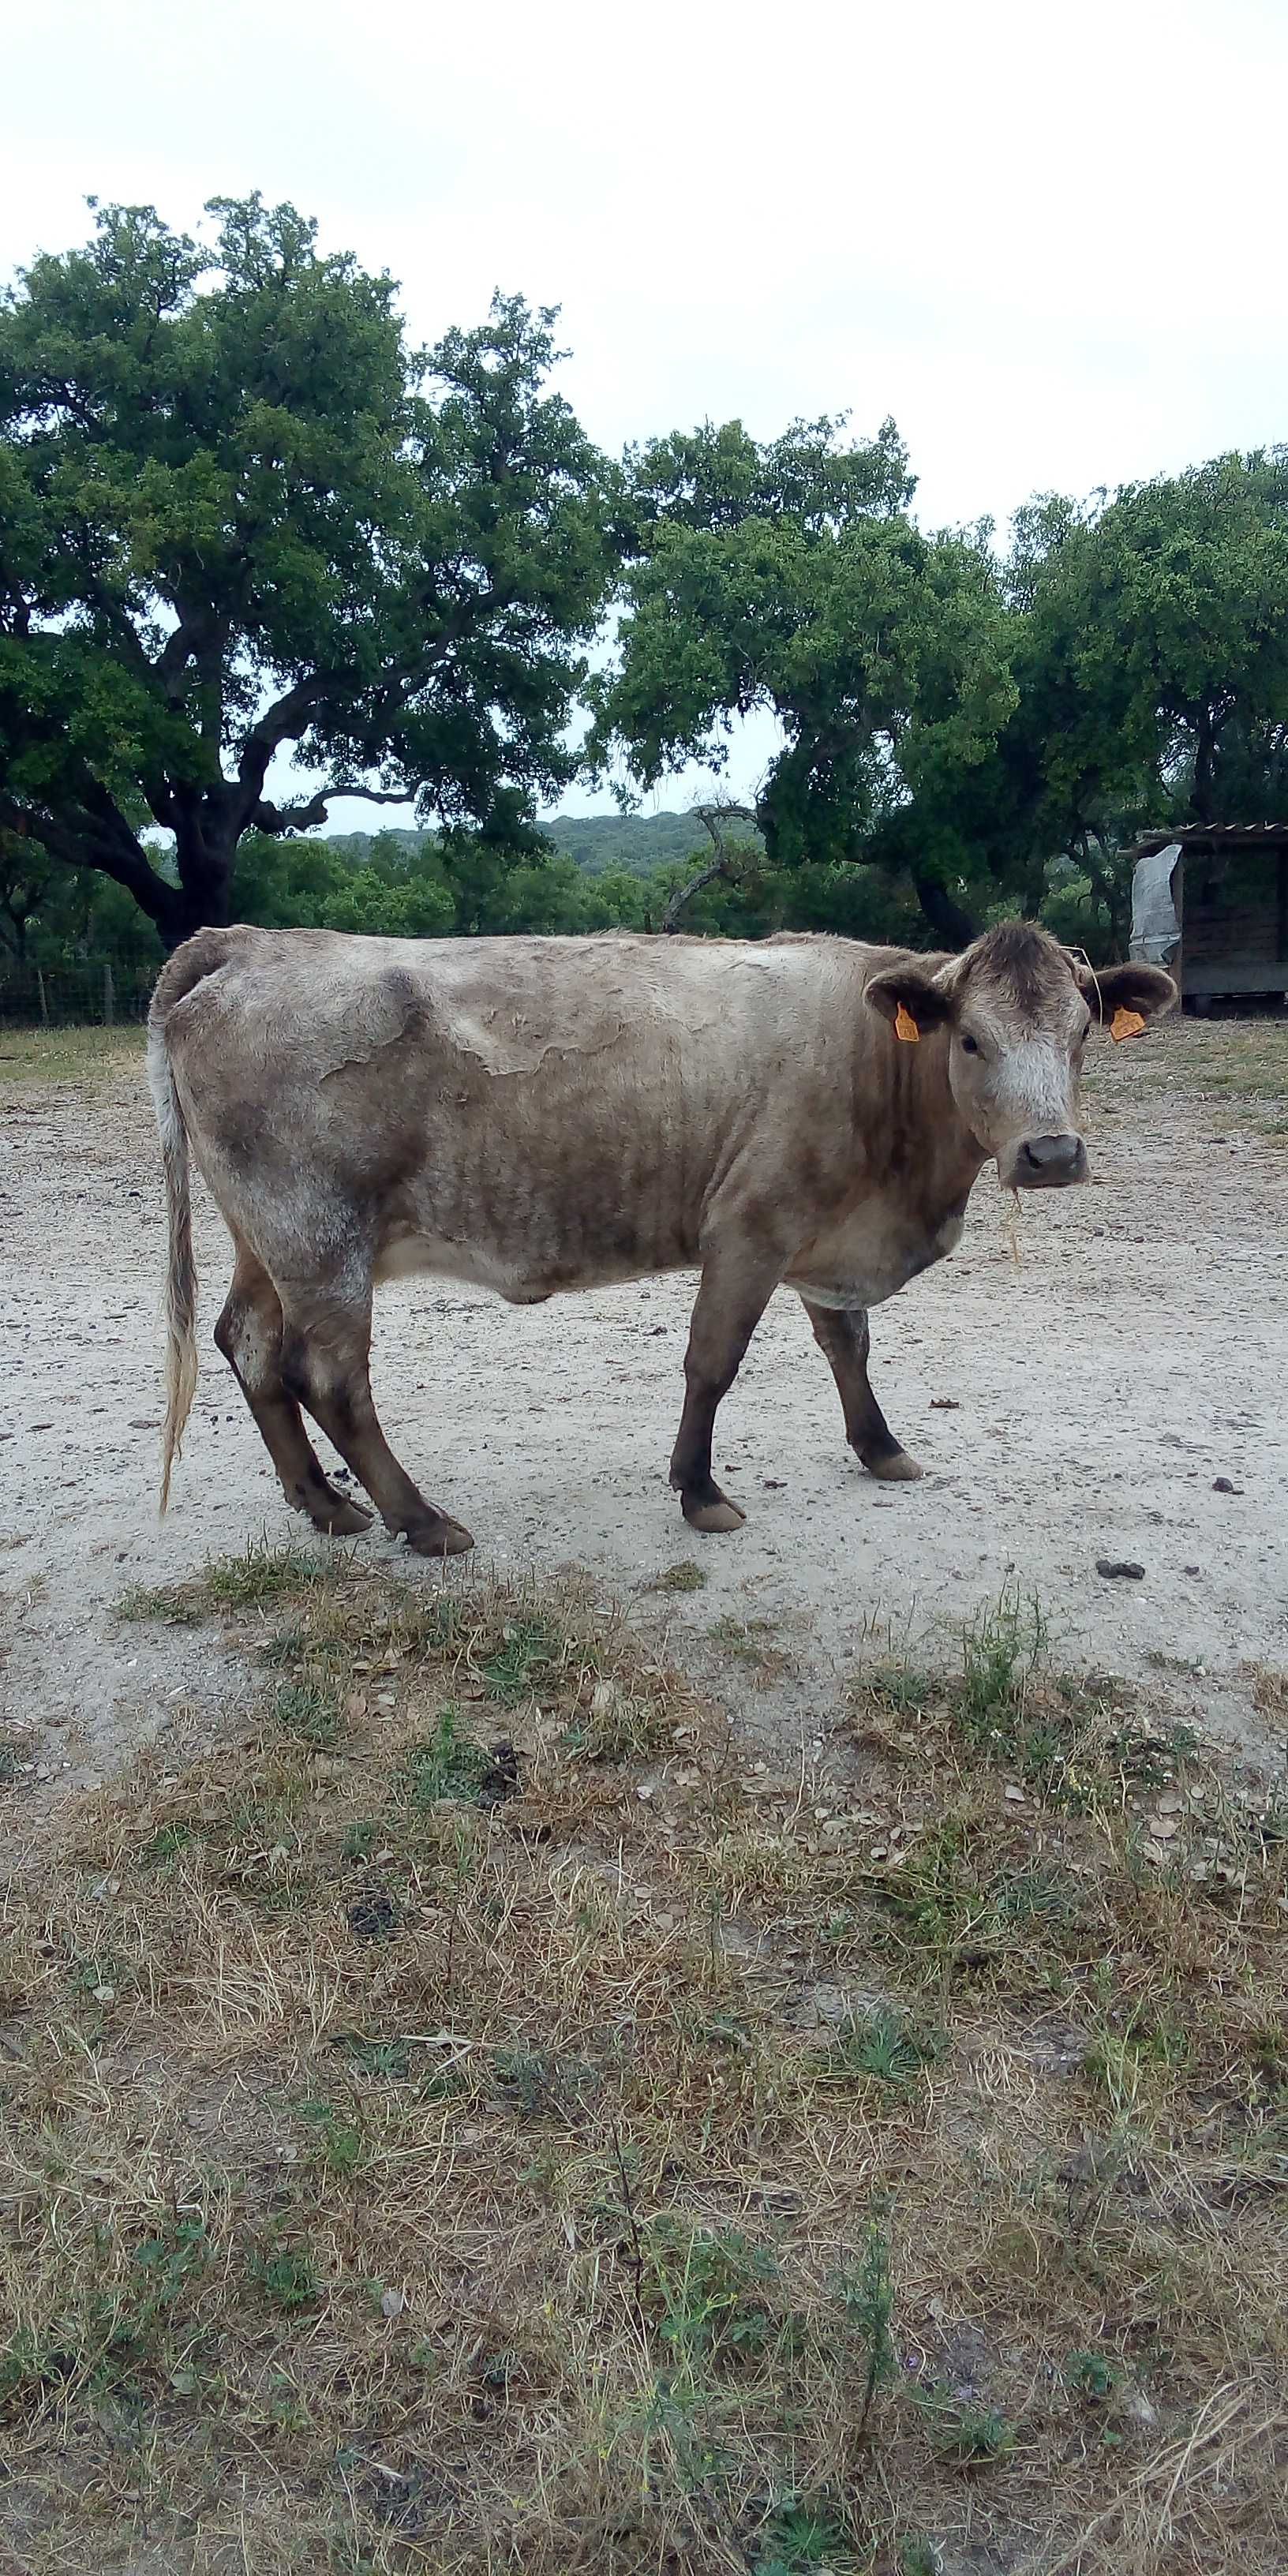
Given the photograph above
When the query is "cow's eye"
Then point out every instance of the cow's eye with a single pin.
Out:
(970, 1045)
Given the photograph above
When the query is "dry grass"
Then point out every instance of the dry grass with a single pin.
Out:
(1232, 1068)
(482, 2119)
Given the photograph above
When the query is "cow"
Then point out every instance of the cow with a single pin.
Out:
(533, 1115)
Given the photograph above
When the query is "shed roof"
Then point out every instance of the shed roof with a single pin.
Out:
(1224, 836)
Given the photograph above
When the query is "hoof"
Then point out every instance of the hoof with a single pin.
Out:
(343, 1520)
(438, 1536)
(896, 1469)
(713, 1517)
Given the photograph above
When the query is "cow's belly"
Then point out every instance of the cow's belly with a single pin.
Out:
(871, 1259)
(522, 1281)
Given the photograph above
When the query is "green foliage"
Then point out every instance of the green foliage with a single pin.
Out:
(973, 2436)
(712, 2286)
(288, 2277)
(447, 1766)
(885, 2046)
(790, 578)
(244, 522)
(866, 2294)
(241, 514)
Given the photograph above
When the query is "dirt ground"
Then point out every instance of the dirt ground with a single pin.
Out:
(1080, 1407)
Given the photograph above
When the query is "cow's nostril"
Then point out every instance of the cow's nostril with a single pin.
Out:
(1048, 1157)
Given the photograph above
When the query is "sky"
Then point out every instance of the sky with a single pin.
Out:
(1047, 240)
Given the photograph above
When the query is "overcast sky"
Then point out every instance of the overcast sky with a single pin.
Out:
(1048, 240)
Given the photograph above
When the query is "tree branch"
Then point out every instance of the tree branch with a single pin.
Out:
(88, 842)
(301, 818)
(727, 863)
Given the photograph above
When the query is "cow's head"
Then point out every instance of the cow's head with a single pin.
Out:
(1017, 1009)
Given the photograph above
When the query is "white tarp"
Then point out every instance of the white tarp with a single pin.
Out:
(1155, 930)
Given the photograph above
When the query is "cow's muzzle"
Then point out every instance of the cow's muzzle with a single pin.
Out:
(1043, 1163)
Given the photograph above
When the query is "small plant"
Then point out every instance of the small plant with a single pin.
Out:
(1001, 1648)
(799, 2533)
(899, 1688)
(866, 2296)
(711, 2285)
(918, 2556)
(246, 1582)
(388, 2060)
(338, 2141)
(165, 1846)
(970, 2435)
(1095, 2375)
(360, 1838)
(883, 2045)
(288, 2277)
(528, 1646)
(305, 1710)
(448, 1766)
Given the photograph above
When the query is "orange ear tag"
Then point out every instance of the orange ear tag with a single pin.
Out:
(905, 1026)
(1126, 1024)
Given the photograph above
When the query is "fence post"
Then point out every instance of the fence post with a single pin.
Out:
(44, 1005)
(109, 997)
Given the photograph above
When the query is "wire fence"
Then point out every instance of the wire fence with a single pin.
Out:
(76, 992)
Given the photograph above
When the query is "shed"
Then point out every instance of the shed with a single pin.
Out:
(1210, 902)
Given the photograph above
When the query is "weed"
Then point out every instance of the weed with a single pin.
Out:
(883, 2045)
(711, 2285)
(970, 2435)
(899, 1687)
(867, 2301)
(1001, 1648)
(448, 1766)
(527, 1648)
(918, 2556)
(288, 2277)
(339, 2142)
(307, 1711)
(686, 1577)
(799, 2533)
(1094, 2375)
(387, 2060)
(251, 1581)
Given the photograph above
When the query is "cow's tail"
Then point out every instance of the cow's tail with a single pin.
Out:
(189, 966)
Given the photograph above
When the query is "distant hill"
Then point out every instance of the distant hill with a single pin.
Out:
(632, 844)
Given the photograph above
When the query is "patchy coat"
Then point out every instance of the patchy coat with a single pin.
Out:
(539, 1115)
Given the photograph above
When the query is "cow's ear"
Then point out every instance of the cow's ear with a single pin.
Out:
(1144, 989)
(910, 999)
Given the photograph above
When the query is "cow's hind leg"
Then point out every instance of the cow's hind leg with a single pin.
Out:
(843, 1335)
(249, 1333)
(326, 1349)
(731, 1299)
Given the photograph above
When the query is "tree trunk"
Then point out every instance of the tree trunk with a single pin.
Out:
(944, 914)
(205, 847)
(1204, 750)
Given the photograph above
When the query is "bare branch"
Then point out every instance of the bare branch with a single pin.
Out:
(727, 863)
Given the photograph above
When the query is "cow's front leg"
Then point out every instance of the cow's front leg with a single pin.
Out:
(731, 1299)
(842, 1334)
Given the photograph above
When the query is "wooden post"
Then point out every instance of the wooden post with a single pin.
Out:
(44, 1003)
(109, 998)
